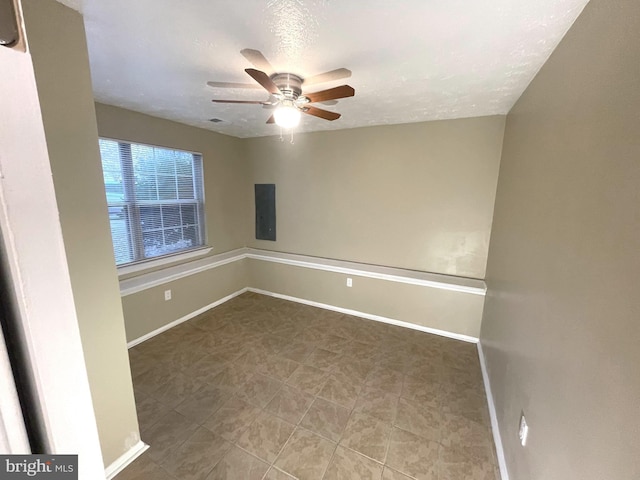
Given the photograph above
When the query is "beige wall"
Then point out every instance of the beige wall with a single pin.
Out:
(416, 196)
(561, 326)
(454, 312)
(225, 171)
(57, 43)
(147, 310)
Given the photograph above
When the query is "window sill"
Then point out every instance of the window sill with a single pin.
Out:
(158, 262)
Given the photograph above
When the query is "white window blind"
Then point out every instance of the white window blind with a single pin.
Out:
(155, 198)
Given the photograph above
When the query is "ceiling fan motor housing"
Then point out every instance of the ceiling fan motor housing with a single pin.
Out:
(289, 84)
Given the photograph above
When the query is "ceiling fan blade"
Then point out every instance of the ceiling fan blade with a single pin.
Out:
(331, 94)
(250, 102)
(318, 112)
(327, 76)
(232, 85)
(258, 59)
(264, 80)
(271, 119)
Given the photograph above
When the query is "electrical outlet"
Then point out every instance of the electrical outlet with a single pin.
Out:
(167, 295)
(349, 282)
(524, 430)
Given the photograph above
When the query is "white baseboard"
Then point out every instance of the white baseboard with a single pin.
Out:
(189, 316)
(125, 459)
(497, 439)
(369, 316)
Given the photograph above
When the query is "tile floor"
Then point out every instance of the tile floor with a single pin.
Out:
(262, 388)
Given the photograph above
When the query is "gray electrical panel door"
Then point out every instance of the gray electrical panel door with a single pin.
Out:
(265, 211)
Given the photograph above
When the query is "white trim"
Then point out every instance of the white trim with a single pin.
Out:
(13, 434)
(497, 439)
(189, 316)
(170, 274)
(400, 275)
(39, 287)
(125, 459)
(369, 316)
(156, 262)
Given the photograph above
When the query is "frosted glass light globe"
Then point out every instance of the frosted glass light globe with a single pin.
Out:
(287, 116)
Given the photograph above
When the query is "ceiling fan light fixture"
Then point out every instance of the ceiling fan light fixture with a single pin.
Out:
(287, 115)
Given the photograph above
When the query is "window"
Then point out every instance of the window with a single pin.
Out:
(155, 199)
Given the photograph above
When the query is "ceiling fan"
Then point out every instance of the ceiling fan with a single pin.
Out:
(285, 91)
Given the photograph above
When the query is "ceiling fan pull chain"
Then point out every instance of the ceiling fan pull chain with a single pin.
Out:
(281, 138)
(291, 137)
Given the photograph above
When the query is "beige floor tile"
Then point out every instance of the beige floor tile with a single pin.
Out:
(413, 455)
(335, 344)
(205, 369)
(149, 410)
(346, 465)
(140, 363)
(288, 332)
(423, 391)
(311, 336)
(195, 458)
(273, 343)
(266, 436)
(277, 367)
(471, 462)
(367, 435)
(185, 355)
(297, 351)
(238, 464)
(203, 403)
(390, 474)
(176, 389)
(252, 349)
(419, 418)
(152, 379)
(232, 419)
(326, 418)
(143, 469)
(468, 404)
(458, 430)
(232, 377)
(377, 403)
(290, 404)
(362, 351)
(356, 370)
(385, 379)
(259, 390)
(395, 359)
(275, 474)
(306, 455)
(167, 434)
(341, 390)
(322, 359)
(308, 379)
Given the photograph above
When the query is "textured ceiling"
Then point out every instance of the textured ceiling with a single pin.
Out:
(412, 60)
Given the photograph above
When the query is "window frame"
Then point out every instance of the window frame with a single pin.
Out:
(134, 228)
